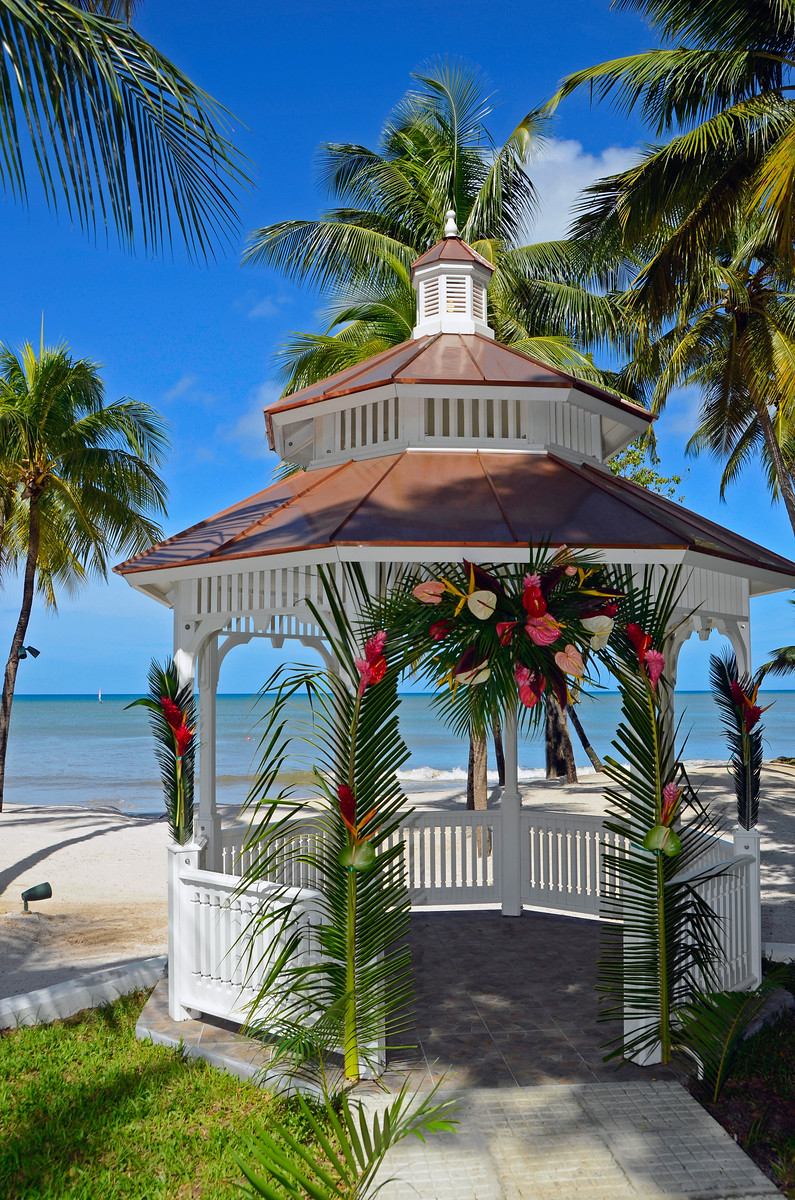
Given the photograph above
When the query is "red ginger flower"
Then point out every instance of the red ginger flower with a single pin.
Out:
(172, 712)
(372, 667)
(655, 665)
(347, 805)
(749, 709)
(670, 795)
(183, 737)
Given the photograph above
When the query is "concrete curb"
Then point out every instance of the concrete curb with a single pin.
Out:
(87, 991)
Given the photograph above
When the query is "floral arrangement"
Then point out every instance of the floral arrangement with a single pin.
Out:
(507, 634)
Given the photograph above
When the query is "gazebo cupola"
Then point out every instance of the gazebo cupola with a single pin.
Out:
(451, 281)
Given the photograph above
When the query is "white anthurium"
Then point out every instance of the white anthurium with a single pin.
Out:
(482, 604)
(600, 627)
(474, 675)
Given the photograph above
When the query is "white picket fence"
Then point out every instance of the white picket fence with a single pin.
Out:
(451, 857)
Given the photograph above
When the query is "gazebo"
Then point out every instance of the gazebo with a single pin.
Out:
(449, 445)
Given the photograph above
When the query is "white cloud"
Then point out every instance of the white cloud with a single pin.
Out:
(561, 174)
(187, 388)
(248, 431)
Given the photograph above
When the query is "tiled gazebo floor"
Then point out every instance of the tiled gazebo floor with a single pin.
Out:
(500, 1002)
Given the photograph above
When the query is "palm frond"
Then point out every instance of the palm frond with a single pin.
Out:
(113, 129)
(735, 696)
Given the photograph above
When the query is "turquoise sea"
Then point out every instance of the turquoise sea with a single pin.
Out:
(74, 750)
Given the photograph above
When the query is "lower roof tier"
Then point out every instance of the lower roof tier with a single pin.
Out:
(466, 499)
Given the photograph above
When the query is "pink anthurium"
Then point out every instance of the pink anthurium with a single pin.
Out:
(429, 592)
(570, 661)
(531, 685)
(543, 630)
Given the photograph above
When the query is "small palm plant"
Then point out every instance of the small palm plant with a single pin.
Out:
(172, 709)
(358, 989)
(736, 696)
(660, 935)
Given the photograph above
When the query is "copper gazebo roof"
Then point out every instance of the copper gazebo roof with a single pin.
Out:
(459, 499)
(448, 358)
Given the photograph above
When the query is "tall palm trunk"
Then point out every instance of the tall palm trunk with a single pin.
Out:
(477, 780)
(12, 666)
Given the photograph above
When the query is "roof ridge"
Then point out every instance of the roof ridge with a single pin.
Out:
(496, 495)
(328, 473)
(395, 460)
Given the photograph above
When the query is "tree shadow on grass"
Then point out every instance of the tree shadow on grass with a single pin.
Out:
(71, 1126)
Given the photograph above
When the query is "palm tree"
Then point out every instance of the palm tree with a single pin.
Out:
(114, 129)
(718, 87)
(435, 152)
(733, 337)
(80, 478)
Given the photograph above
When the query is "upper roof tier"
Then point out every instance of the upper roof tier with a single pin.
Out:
(452, 384)
(456, 390)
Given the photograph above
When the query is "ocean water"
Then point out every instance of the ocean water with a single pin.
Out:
(74, 750)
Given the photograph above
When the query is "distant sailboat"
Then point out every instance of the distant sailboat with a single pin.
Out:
(99, 696)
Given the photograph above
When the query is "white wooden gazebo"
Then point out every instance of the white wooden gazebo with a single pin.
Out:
(450, 445)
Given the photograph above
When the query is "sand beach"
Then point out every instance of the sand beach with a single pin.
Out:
(108, 874)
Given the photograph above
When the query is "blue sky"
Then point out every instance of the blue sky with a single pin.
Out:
(197, 342)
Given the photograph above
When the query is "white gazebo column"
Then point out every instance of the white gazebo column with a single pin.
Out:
(206, 824)
(510, 822)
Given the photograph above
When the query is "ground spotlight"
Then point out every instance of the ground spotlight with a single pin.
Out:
(24, 651)
(39, 891)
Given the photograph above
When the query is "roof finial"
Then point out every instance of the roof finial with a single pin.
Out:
(450, 228)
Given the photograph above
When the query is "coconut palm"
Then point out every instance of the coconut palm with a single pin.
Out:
(435, 152)
(733, 338)
(80, 481)
(718, 86)
(114, 129)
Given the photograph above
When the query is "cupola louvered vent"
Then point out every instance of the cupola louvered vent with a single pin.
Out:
(456, 295)
(430, 299)
(479, 301)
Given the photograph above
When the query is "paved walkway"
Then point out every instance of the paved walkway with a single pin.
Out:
(506, 1014)
(633, 1141)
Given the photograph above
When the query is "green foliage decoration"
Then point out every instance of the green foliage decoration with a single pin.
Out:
(660, 936)
(356, 990)
(736, 696)
(352, 1148)
(497, 637)
(715, 1024)
(172, 716)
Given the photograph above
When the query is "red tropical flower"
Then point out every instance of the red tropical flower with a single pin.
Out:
(440, 629)
(372, 667)
(183, 737)
(533, 600)
(172, 712)
(347, 805)
(531, 685)
(640, 640)
(655, 665)
(505, 631)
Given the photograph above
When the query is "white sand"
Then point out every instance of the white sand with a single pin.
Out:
(108, 874)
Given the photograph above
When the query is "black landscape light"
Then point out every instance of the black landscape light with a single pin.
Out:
(24, 651)
(39, 891)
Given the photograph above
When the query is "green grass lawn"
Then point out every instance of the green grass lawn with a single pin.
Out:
(86, 1111)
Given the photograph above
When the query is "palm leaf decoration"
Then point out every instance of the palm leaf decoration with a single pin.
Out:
(714, 1026)
(172, 715)
(350, 1148)
(356, 990)
(113, 128)
(735, 696)
(660, 936)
